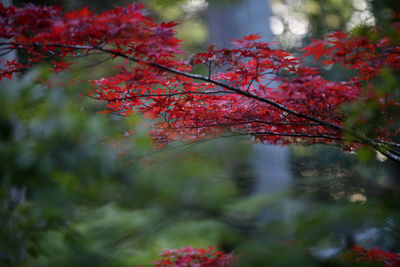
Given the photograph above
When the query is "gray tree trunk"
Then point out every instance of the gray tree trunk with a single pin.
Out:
(233, 21)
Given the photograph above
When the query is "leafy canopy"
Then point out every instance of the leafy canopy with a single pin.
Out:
(250, 88)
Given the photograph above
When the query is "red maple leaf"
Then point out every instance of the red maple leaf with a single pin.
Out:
(317, 49)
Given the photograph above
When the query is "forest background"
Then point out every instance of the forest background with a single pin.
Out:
(76, 191)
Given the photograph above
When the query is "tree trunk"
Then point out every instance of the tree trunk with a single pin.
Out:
(233, 21)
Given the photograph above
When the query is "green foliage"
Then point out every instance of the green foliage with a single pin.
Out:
(76, 192)
(51, 160)
(332, 15)
(385, 11)
(364, 30)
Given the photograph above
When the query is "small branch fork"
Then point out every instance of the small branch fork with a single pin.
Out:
(381, 146)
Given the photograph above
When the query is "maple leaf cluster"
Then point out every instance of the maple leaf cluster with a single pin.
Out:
(377, 255)
(250, 88)
(195, 257)
(46, 33)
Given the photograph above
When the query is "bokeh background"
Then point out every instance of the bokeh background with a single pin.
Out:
(79, 189)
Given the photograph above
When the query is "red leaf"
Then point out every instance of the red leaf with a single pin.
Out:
(252, 37)
(317, 49)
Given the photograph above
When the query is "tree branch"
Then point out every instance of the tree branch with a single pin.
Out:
(388, 153)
